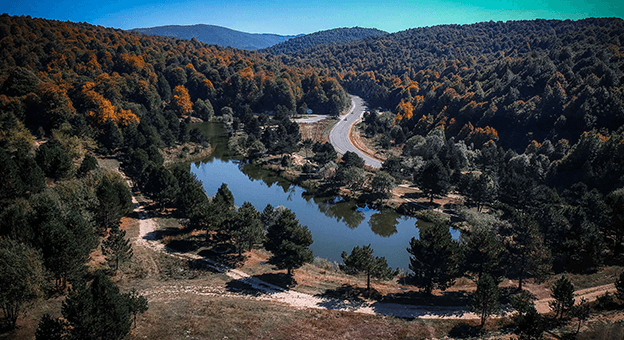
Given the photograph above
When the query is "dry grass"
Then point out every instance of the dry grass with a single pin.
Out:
(605, 275)
(207, 317)
(317, 132)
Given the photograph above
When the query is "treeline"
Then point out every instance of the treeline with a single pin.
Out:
(120, 89)
(527, 80)
(332, 36)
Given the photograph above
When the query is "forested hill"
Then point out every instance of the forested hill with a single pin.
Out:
(217, 35)
(69, 91)
(333, 36)
(519, 80)
(119, 90)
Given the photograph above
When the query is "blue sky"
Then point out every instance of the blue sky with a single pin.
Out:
(306, 16)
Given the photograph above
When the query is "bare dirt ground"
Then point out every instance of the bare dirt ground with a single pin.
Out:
(265, 291)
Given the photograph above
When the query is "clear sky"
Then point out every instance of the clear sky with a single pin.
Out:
(306, 16)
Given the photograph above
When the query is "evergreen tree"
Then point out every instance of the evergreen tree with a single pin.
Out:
(97, 311)
(383, 183)
(614, 228)
(435, 258)
(138, 304)
(32, 176)
(581, 313)
(221, 207)
(191, 199)
(162, 186)
(288, 241)
(485, 298)
(88, 163)
(10, 183)
(352, 159)
(116, 248)
(54, 160)
(248, 229)
(114, 201)
(50, 328)
(529, 323)
(483, 252)
(619, 285)
(563, 295)
(526, 256)
(268, 216)
(21, 278)
(433, 179)
(361, 260)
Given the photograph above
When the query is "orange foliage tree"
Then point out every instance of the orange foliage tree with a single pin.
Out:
(182, 101)
(100, 110)
(404, 110)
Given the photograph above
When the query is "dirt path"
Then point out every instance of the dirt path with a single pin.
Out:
(269, 292)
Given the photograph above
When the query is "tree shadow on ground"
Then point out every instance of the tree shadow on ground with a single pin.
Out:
(465, 330)
(346, 297)
(270, 283)
(446, 299)
(222, 253)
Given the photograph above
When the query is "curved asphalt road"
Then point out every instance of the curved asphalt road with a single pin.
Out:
(339, 135)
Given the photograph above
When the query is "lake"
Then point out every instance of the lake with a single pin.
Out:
(336, 225)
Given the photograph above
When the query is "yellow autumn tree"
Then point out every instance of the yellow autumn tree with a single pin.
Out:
(101, 110)
(182, 101)
(405, 110)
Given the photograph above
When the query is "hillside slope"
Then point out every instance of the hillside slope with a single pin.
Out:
(217, 35)
(529, 80)
(333, 36)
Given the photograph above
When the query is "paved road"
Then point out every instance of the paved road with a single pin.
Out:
(339, 135)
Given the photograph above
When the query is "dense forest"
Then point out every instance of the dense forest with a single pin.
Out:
(333, 36)
(72, 91)
(528, 80)
(523, 119)
(217, 35)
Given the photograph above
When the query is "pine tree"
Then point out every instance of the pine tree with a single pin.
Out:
(98, 310)
(485, 299)
(138, 304)
(50, 328)
(529, 323)
(21, 277)
(116, 248)
(563, 295)
(248, 229)
(361, 260)
(435, 258)
(88, 163)
(289, 241)
(619, 285)
(433, 179)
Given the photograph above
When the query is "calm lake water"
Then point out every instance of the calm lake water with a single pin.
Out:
(336, 225)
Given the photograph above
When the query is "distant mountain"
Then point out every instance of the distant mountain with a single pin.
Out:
(333, 36)
(217, 35)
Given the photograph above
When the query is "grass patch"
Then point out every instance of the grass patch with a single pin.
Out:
(604, 276)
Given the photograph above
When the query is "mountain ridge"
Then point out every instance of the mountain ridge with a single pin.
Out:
(331, 36)
(217, 35)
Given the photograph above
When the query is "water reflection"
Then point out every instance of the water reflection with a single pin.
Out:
(342, 211)
(336, 224)
(383, 223)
